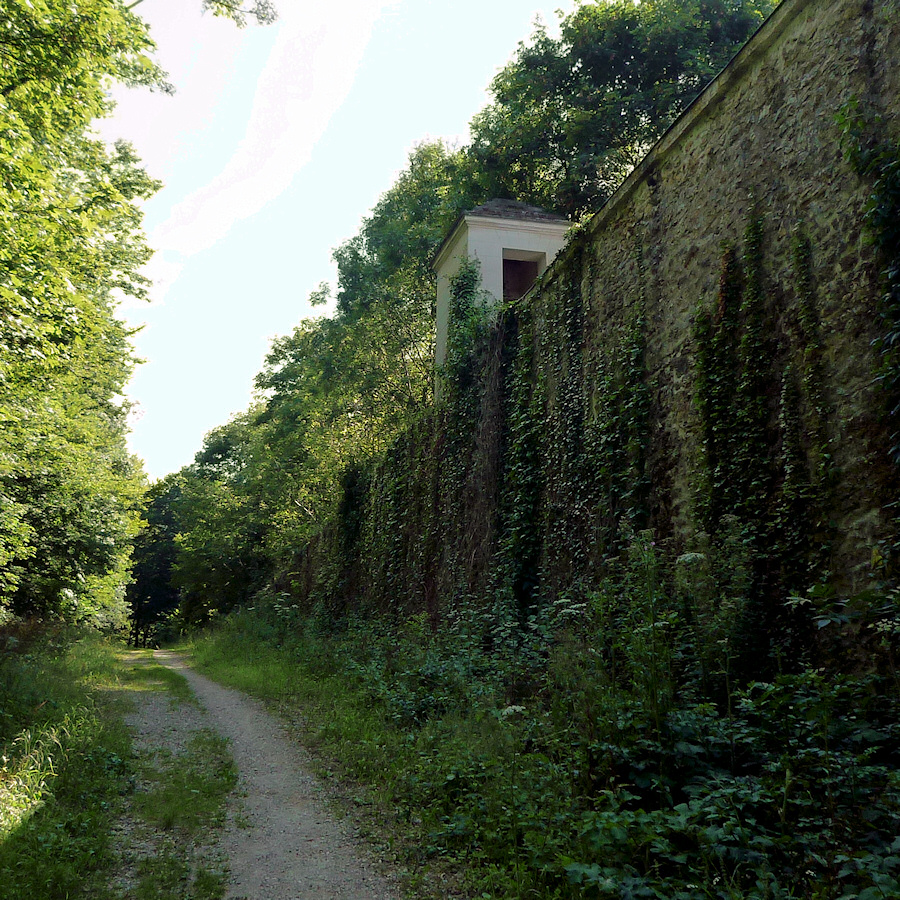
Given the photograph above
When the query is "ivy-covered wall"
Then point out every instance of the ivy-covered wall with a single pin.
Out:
(756, 168)
(707, 362)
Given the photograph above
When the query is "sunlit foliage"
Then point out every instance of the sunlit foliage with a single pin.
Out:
(71, 246)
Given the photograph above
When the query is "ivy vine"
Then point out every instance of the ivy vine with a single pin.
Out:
(878, 162)
(518, 560)
(767, 450)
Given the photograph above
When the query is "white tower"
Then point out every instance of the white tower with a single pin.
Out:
(513, 243)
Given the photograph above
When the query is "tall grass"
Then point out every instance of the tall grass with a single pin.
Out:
(63, 764)
(585, 757)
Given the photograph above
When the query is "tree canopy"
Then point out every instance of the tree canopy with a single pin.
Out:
(571, 116)
(72, 247)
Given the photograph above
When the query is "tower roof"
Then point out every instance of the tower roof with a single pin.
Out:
(514, 209)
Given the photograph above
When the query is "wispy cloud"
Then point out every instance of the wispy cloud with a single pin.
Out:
(309, 73)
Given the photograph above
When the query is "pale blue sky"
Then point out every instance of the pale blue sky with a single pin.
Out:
(276, 144)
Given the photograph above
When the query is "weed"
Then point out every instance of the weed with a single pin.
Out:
(187, 791)
(633, 766)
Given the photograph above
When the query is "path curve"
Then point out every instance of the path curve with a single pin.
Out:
(288, 846)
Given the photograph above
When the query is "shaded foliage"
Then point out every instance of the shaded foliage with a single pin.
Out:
(151, 594)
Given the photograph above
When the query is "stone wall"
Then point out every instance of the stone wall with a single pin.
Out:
(762, 140)
(578, 420)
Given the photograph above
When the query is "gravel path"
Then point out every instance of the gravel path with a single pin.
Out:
(284, 844)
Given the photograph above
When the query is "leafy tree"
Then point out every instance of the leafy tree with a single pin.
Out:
(405, 227)
(378, 361)
(221, 523)
(262, 11)
(151, 593)
(71, 245)
(571, 116)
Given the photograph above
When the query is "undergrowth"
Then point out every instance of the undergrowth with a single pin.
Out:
(603, 750)
(63, 764)
(68, 778)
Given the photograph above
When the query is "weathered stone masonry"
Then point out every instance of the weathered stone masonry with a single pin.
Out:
(763, 137)
(762, 141)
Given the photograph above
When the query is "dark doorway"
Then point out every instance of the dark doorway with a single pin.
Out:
(518, 277)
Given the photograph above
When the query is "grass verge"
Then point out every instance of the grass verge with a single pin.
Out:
(65, 765)
(539, 770)
(75, 800)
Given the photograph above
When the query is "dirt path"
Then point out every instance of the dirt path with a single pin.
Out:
(284, 844)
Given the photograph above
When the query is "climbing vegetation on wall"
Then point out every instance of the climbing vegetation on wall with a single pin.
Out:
(877, 160)
(759, 393)
(610, 601)
(683, 711)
